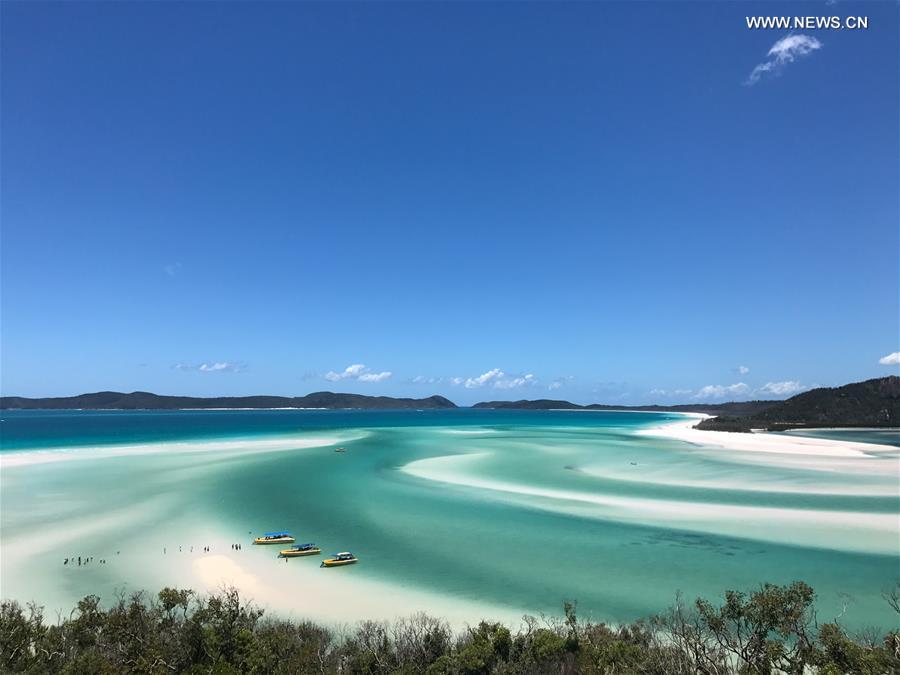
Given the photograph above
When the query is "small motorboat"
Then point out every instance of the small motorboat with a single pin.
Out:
(339, 559)
(275, 538)
(340, 449)
(300, 550)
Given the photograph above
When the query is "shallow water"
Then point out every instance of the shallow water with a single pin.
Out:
(467, 513)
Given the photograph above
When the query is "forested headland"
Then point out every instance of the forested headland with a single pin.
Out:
(771, 629)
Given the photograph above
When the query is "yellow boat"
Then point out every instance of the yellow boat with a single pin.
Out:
(300, 550)
(345, 558)
(275, 538)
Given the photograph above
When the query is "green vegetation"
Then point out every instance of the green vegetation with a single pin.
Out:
(736, 408)
(873, 403)
(770, 630)
(142, 400)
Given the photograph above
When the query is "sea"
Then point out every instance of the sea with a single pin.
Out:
(468, 514)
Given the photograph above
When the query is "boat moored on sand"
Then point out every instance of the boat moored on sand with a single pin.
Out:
(339, 559)
(275, 538)
(300, 550)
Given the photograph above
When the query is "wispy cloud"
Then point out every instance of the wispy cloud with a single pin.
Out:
(515, 382)
(172, 269)
(422, 379)
(670, 392)
(890, 360)
(742, 370)
(717, 391)
(783, 52)
(559, 382)
(374, 377)
(358, 372)
(786, 388)
(212, 367)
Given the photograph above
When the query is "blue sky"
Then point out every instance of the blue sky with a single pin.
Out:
(604, 202)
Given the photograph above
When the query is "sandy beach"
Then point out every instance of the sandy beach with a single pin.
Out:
(820, 454)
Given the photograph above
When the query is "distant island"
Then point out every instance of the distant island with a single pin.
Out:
(731, 408)
(873, 403)
(142, 400)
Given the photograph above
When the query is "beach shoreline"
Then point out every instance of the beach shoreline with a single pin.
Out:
(763, 441)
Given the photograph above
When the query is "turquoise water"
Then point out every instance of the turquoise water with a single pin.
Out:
(880, 436)
(475, 512)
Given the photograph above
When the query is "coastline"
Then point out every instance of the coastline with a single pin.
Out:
(624, 498)
(763, 441)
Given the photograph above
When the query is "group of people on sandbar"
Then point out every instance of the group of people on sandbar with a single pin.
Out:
(80, 561)
(205, 549)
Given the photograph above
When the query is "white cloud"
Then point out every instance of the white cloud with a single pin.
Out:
(743, 370)
(357, 372)
(215, 367)
(514, 382)
(553, 386)
(497, 379)
(456, 380)
(212, 367)
(782, 388)
(721, 391)
(890, 360)
(484, 378)
(375, 377)
(785, 51)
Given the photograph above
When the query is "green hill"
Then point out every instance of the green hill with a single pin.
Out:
(873, 403)
(142, 400)
(730, 408)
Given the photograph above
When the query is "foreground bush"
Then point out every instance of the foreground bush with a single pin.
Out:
(770, 630)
